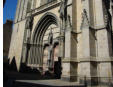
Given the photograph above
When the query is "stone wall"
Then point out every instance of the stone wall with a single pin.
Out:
(85, 38)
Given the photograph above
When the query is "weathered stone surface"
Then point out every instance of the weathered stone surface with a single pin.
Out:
(83, 37)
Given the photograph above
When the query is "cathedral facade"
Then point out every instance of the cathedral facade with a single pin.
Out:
(73, 37)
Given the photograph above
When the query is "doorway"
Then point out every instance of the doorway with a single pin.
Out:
(55, 70)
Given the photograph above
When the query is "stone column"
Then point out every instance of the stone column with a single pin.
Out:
(25, 9)
(104, 47)
(62, 39)
(85, 61)
(38, 3)
(21, 10)
(61, 46)
(33, 58)
(69, 65)
(26, 42)
(30, 56)
(112, 13)
(37, 57)
(43, 2)
(32, 3)
(24, 53)
(17, 11)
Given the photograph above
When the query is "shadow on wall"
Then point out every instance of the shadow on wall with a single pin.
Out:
(57, 71)
(6, 68)
(25, 69)
(13, 64)
(28, 73)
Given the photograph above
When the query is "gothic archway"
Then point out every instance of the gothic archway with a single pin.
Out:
(47, 23)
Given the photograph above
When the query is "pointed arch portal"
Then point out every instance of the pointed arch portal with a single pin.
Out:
(43, 53)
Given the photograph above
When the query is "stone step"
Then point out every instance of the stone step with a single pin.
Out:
(45, 83)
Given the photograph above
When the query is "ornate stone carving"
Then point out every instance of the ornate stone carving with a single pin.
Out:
(69, 22)
(27, 34)
(85, 20)
(63, 9)
(29, 23)
(50, 38)
(107, 14)
(50, 55)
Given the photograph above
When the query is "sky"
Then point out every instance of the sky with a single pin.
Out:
(9, 10)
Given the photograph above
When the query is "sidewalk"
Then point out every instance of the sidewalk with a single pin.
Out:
(46, 83)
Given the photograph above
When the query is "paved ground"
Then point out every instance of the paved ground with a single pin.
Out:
(16, 79)
(13, 78)
(52, 83)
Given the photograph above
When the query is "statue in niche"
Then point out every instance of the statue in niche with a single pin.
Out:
(50, 55)
(108, 18)
(63, 10)
(85, 20)
(107, 14)
(50, 38)
(28, 28)
(63, 15)
(29, 23)
(69, 21)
